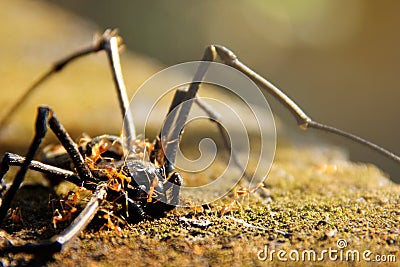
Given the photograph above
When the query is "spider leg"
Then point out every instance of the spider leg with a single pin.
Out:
(303, 120)
(135, 212)
(173, 125)
(211, 53)
(45, 118)
(111, 46)
(97, 46)
(173, 186)
(110, 42)
(10, 159)
(184, 97)
(47, 248)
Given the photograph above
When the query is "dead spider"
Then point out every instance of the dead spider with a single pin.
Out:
(143, 180)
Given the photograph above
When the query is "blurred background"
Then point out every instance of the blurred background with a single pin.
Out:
(339, 60)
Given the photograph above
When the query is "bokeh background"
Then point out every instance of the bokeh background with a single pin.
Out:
(339, 60)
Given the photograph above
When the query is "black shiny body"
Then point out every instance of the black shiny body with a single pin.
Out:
(133, 181)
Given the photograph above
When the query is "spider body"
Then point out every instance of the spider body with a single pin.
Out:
(132, 180)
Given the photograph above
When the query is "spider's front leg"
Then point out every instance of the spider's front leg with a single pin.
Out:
(10, 159)
(40, 132)
(45, 118)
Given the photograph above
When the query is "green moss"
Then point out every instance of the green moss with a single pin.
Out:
(296, 215)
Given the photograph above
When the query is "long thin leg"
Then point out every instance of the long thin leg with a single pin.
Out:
(173, 125)
(44, 118)
(111, 46)
(97, 46)
(174, 186)
(41, 129)
(110, 42)
(10, 159)
(303, 120)
(180, 96)
(47, 248)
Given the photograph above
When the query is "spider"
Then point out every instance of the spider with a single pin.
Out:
(143, 180)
